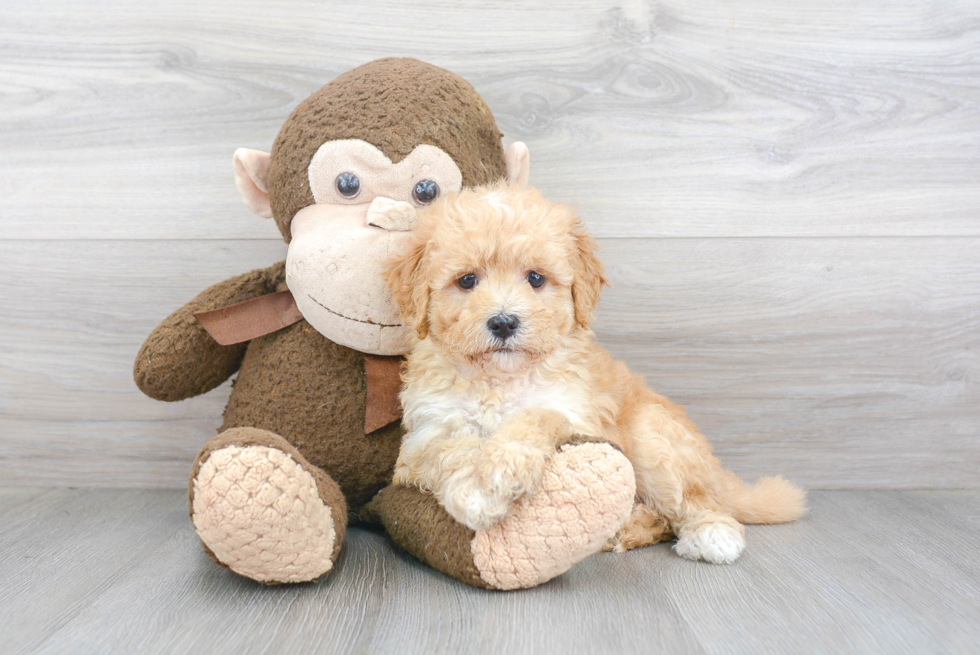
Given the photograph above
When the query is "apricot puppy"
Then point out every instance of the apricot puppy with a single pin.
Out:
(500, 286)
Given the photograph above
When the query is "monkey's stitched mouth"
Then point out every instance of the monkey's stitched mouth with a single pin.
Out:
(356, 320)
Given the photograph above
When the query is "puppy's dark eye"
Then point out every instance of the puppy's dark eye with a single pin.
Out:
(425, 191)
(467, 282)
(348, 185)
(535, 279)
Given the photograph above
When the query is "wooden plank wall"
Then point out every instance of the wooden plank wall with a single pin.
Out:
(788, 197)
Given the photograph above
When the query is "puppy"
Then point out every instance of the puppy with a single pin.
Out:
(500, 286)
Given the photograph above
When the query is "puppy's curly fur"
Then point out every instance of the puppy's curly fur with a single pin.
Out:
(500, 286)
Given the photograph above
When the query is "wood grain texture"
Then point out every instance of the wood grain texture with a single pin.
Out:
(122, 571)
(841, 363)
(665, 118)
(791, 355)
(787, 195)
(70, 331)
(64, 549)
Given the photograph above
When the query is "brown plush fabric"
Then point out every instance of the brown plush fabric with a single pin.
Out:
(578, 439)
(313, 392)
(295, 383)
(395, 105)
(296, 389)
(180, 359)
(330, 493)
(418, 524)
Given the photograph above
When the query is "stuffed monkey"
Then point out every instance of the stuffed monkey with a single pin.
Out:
(311, 431)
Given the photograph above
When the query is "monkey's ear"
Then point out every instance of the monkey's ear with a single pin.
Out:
(409, 286)
(252, 180)
(518, 160)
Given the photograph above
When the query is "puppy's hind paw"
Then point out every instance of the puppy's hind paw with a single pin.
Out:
(644, 527)
(717, 543)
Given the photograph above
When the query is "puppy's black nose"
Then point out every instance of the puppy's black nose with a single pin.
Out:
(503, 326)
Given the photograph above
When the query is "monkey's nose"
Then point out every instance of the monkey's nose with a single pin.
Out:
(391, 215)
(503, 326)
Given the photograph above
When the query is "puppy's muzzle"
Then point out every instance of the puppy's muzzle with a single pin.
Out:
(503, 326)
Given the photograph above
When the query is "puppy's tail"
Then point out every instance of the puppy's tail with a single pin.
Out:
(769, 500)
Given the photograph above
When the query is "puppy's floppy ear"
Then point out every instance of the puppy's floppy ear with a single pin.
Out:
(589, 275)
(409, 286)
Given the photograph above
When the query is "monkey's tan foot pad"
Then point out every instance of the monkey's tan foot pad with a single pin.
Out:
(259, 513)
(586, 494)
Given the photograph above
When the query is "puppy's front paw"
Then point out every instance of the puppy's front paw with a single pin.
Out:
(717, 543)
(474, 506)
(512, 468)
(402, 475)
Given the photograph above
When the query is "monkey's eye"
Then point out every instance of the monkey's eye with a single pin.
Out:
(425, 191)
(466, 282)
(348, 185)
(535, 279)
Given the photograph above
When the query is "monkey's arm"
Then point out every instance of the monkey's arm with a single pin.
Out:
(180, 359)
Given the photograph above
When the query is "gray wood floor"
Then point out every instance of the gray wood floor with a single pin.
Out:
(121, 571)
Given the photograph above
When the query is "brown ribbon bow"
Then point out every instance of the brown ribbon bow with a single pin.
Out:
(257, 317)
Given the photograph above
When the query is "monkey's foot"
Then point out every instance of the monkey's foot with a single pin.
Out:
(585, 495)
(262, 511)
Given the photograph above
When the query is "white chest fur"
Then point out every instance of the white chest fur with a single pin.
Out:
(480, 406)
